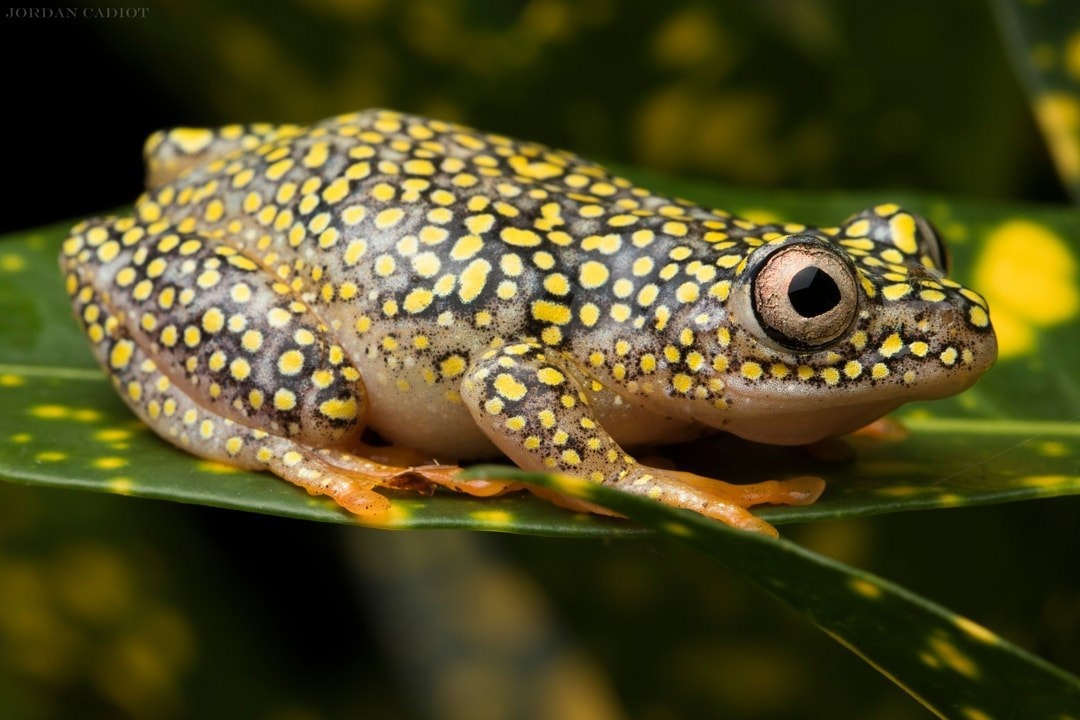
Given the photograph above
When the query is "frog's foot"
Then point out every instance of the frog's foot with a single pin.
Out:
(533, 403)
(411, 471)
(723, 501)
(885, 429)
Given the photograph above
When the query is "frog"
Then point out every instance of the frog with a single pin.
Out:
(278, 291)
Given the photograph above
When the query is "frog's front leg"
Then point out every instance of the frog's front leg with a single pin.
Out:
(220, 358)
(531, 403)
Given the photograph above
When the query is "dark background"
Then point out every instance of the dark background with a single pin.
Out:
(282, 619)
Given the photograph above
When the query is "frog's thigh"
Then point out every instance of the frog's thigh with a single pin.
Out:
(234, 337)
(218, 359)
(529, 403)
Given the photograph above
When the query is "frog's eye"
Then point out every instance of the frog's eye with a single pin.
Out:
(805, 295)
(933, 244)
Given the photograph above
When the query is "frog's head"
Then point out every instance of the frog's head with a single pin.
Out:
(834, 328)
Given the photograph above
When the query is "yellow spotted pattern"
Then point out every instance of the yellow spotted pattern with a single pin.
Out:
(278, 287)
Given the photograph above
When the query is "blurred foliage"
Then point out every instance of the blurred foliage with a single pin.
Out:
(763, 92)
(155, 610)
(114, 614)
(1044, 39)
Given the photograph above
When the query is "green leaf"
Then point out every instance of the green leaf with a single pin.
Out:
(1011, 437)
(1044, 41)
(953, 666)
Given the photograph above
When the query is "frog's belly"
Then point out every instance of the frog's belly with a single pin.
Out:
(430, 418)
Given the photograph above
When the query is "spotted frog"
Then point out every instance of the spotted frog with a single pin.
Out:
(279, 289)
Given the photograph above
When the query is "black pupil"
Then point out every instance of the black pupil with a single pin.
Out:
(812, 292)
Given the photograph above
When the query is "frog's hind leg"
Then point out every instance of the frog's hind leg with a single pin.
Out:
(534, 405)
(170, 153)
(224, 362)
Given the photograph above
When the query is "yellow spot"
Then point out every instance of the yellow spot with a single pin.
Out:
(896, 291)
(284, 399)
(383, 192)
(234, 444)
(649, 293)
(276, 171)
(879, 371)
(389, 218)
(191, 140)
(472, 279)
(509, 387)
(452, 366)
(944, 650)
(865, 588)
(277, 317)
(251, 340)
(51, 456)
(831, 376)
(217, 361)
(240, 369)
(492, 517)
(466, 247)
(417, 300)
(120, 485)
(511, 265)
(683, 382)
(975, 630)
(751, 370)
(557, 284)
(109, 463)
(978, 316)
(519, 237)
(551, 335)
(892, 345)
(550, 376)
(902, 226)
(551, 312)
(339, 409)
(948, 356)
(192, 336)
(291, 362)
(121, 354)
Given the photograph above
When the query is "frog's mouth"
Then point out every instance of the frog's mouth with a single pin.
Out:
(802, 427)
(807, 418)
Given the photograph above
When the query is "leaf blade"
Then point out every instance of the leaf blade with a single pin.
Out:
(950, 664)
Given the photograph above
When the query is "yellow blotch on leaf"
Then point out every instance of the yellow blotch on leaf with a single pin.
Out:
(1029, 278)
(1059, 115)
